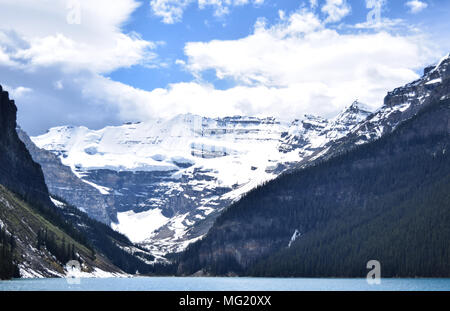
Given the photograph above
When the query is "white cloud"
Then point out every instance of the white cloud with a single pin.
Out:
(336, 10)
(297, 66)
(18, 92)
(4, 58)
(171, 11)
(294, 67)
(416, 6)
(42, 52)
(384, 23)
(58, 85)
(43, 37)
(204, 99)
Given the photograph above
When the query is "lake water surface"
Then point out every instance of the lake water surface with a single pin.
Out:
(223, 284)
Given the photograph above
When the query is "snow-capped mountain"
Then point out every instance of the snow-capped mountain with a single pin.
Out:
(312, 133)
(399, 105)
(166, 181)
(387, 198)
(163, 183)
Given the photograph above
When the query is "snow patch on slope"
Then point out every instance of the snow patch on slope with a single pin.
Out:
(138, 226)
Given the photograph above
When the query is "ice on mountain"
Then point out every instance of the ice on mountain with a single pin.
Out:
(294, 237)
(204, 164)
(136, 226)
(434, 81)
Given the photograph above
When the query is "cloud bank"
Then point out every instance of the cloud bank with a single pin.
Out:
(297, 65)
(46, 61)
(294, 67)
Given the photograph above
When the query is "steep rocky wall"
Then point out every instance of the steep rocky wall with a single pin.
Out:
(18, 171)
(62, 182)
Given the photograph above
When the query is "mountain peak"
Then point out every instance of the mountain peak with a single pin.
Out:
(418, 92)
(440, 68)
(357, 106)
(445, 59)
(353, 114)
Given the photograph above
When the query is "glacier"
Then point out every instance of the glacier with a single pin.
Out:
(167, 180)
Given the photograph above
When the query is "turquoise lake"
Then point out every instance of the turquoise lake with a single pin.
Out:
(223, 284)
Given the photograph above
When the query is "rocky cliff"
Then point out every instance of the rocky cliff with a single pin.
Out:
(42, 237)
(63, 183)
(18, 171)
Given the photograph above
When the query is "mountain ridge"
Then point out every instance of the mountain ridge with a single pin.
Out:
(196, 167)
(234, 246)
(163, 184)
(338, 211)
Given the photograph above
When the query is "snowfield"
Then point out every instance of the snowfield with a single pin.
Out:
(205, 165)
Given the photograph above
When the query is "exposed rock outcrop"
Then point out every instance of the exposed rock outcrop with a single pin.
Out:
(18, 171)
(63, 183)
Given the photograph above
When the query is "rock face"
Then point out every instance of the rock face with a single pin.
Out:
(165, 182)
(27, 209)
(399, 105)
(311, 134)
(18, 171)
(63, 183)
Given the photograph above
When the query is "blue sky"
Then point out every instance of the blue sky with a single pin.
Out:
(203, 25)
(98, 63)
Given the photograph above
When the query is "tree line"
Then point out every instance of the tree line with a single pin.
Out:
(8, 265)
(63, 252)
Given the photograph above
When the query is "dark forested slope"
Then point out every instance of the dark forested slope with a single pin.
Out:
(387, 200)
